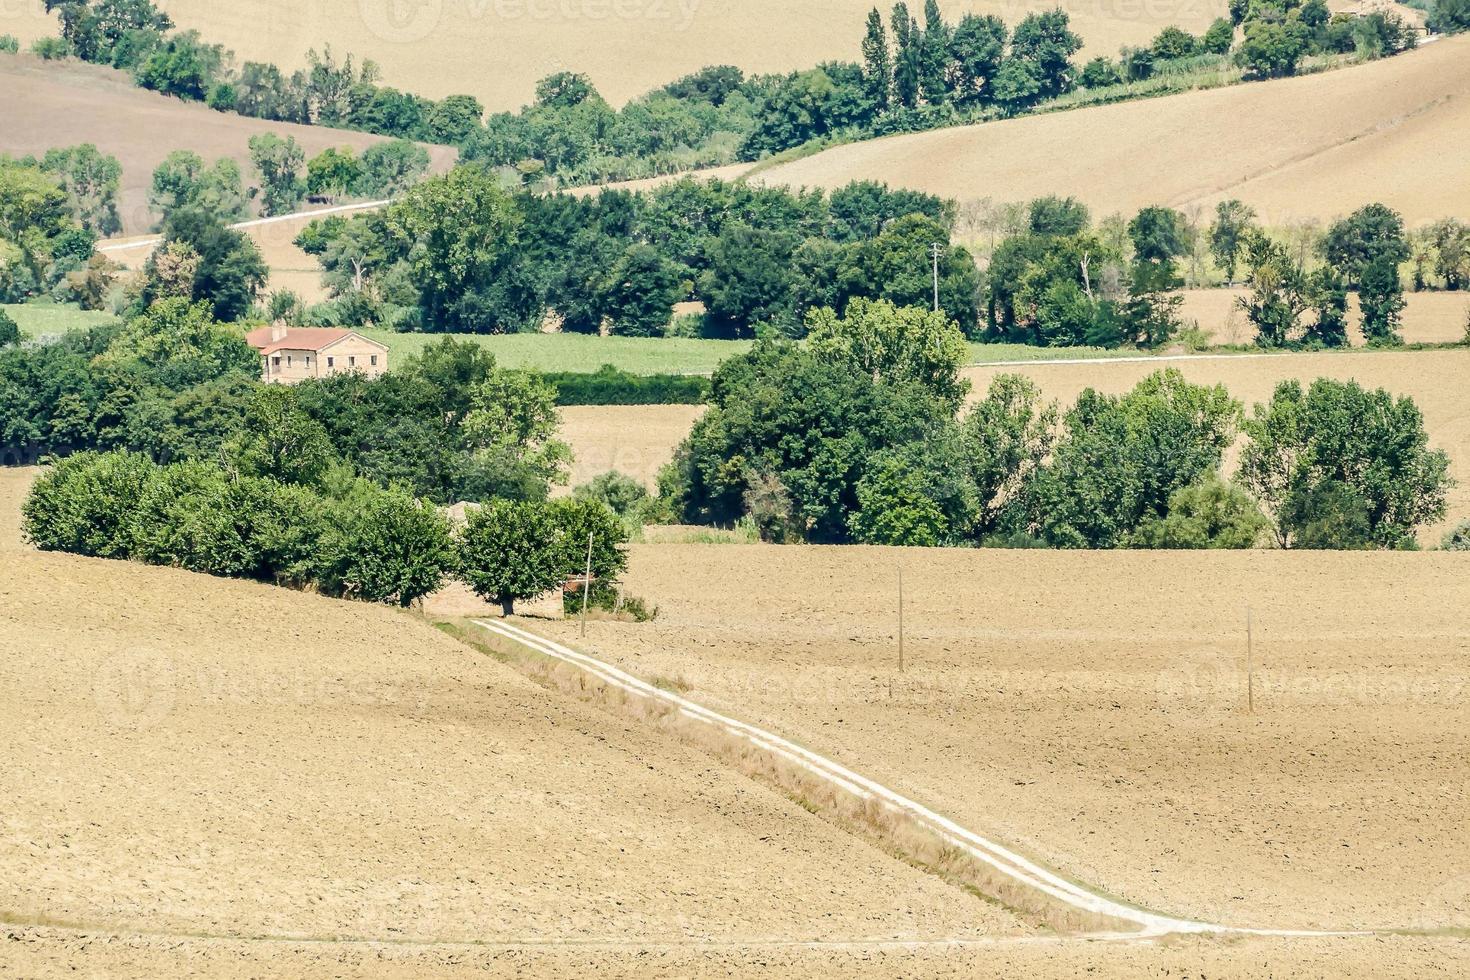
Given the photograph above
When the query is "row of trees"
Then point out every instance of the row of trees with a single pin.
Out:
(859, 436)
(1061, 282)
(916, 72)
(284, 177)
(349, 538)
(461, 253)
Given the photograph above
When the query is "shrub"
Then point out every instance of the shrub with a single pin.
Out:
(9, 330)
(1458, 539)
(1206, 514)
(383, 546)
(85, 504)
(50, 48)
(610, 386)
(9, 44)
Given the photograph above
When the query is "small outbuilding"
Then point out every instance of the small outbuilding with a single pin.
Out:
(292, 354)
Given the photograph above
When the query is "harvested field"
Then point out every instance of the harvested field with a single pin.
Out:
(195, 756)
(1431, 317)
(636, 440)
(50, 104)
(1090, 708)
(1300, 148)
(497, 51)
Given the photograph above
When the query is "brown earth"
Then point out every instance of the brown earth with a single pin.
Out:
(636, 440)
(196, 756)
(1090, 708)
(498, 49)
(51, 104)
(1312, 147)
(1430, 318)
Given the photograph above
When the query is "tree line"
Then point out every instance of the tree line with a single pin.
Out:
(916, 72)
(861, 436)
(346, 537)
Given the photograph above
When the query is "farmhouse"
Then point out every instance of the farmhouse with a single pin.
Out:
(292, 354)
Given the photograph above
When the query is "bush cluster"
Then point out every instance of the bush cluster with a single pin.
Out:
(347, 538)
(610, 386)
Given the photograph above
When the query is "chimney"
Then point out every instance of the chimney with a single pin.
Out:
(278, 332)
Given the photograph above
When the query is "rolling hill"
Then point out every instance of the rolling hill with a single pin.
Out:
(49, 104)
(497, 49)
(1306, 148)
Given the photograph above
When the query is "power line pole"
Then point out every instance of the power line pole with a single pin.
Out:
(587, 584)
(934, 251)
(900, 619)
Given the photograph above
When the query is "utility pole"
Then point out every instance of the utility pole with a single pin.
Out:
(1250, 663)
(587, 584)
(900, 619)
(934, 252)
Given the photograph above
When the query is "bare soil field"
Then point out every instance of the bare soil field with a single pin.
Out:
(633, 439)
(195, 756)
(1431, 317)
(1300, 148)
(50, 104)
(498, 50)
(1090, 709)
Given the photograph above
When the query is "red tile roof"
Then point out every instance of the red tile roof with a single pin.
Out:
(297, 338)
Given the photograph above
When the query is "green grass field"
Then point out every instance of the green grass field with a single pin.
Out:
(40, 319)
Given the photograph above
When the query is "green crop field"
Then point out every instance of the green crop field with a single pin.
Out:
(40, 319)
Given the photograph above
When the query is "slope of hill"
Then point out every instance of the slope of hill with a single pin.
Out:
(198, 756)
(49, 104)
(1300, 148)
(497, 49)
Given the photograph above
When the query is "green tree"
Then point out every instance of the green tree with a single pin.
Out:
(84, 504)
(513, 550)
(1233, 219)
(1008, 436)
(1219, 37)
(90, 180)
(510, 429)
(9, 330)
(1329, 297)
(908, 41)
(1208, 514)
(389, 169)
(1173, 42)
(1272, 50)
(905, 345)
(384, 546)
(1278, 290)
(230, 272)
(181, 65)
(896, 506)
(640, 292)
(454, 231)
(178, 344)
(333, 171)
(1373, 232)
(1381, 295)
(934, 64)
(1159, 234)
(749, 280)
(1311, 453)
(977, 49)
(453, 120)
(877, 63)
(1057, 216)
(1045, 41)
(1100, 73)
(1121, 459)
(279, 440)
(183, 181)
(1449, 17)
(278, 164)
(1016, 86)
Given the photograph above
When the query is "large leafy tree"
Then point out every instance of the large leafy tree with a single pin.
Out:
(1046, 42)
(1335, 448)
(90, 180)
(278, 163)
(455, 232)
(1233, 219)
(877, 64)
(904, 345)
(1121, 459)
(977, 49)
(509, 551)
(1371, 233)
(230, 271)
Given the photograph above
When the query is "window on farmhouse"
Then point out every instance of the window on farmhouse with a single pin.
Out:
(331, 361)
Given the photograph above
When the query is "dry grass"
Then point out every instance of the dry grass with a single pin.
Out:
(497, 50)
(1303, 148)
(48, 104)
